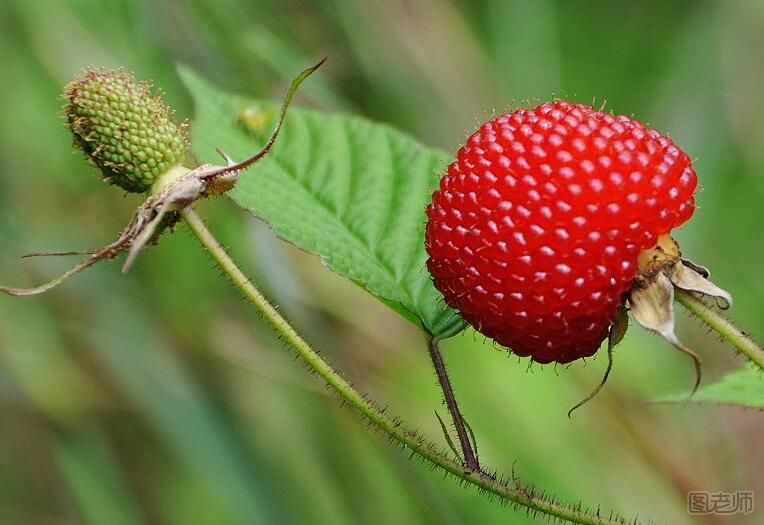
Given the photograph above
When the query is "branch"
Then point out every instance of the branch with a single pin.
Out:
(468, 453)
(728, 331)
(509, 491)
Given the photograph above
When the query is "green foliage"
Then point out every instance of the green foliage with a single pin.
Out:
(349, 190)
(433, 69)
(744, 387)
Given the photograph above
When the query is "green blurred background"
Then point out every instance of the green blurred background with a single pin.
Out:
(160, 398)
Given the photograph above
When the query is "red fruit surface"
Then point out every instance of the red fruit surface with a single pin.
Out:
(534, 232)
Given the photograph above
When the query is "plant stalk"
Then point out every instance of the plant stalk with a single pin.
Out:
(728, 331)
(468, 453)
(507, 490)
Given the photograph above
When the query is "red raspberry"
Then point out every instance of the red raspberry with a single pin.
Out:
(534, 233)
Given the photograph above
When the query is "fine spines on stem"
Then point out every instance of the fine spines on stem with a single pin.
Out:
(486, 482)
(468, 452)
(741, 341)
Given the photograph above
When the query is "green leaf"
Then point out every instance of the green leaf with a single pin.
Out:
(744, 387)
(347, 189)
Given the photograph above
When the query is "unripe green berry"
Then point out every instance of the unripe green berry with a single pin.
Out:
(131, 136)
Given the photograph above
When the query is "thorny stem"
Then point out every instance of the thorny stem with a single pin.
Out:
(508, 491)
(729, 332)
(470, 458)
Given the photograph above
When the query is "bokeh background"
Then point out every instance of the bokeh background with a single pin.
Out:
(160, 398)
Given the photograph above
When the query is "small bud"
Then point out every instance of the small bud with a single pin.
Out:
(129, 135)
(133, 138)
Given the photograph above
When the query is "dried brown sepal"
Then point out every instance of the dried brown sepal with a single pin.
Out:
(651, 298)
(617, 332)
(619, 327)
(686, 277)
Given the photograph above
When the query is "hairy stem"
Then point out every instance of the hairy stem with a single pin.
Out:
(470, 458)
(728, 331)
(533, 501)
